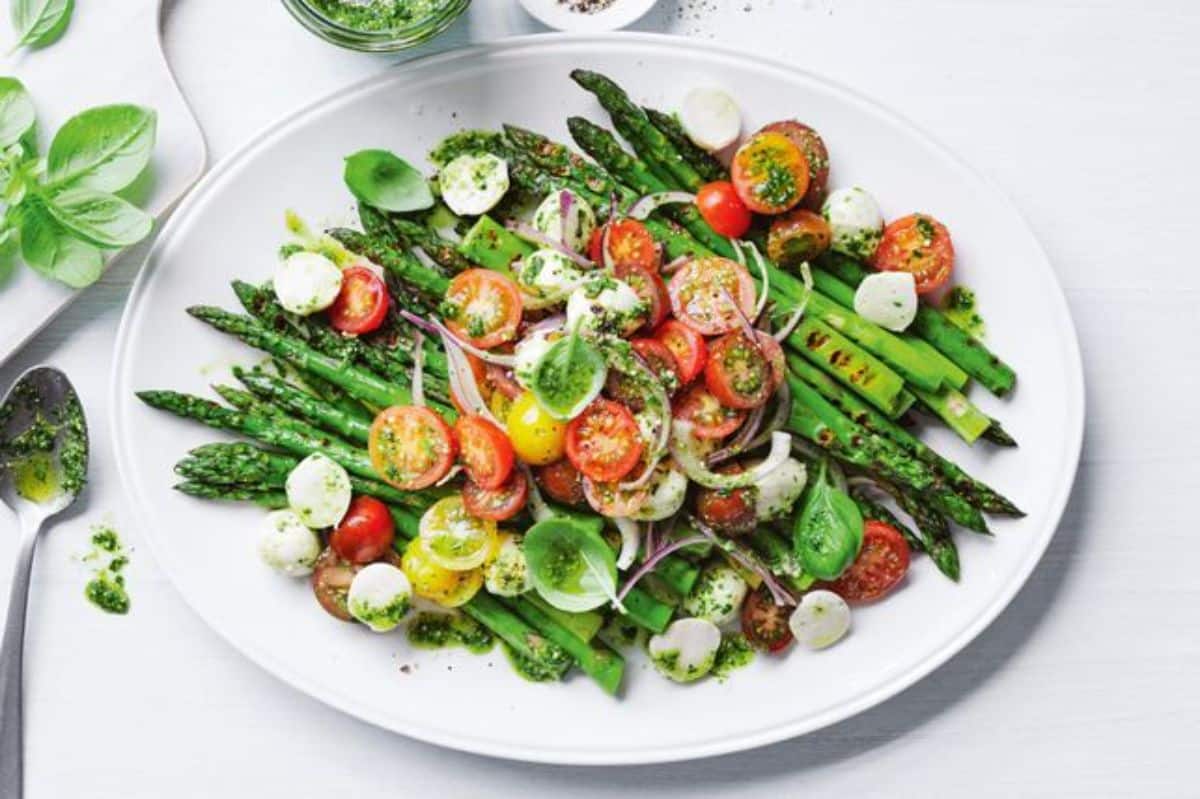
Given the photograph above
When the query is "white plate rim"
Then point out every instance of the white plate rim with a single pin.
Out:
(1072, 436)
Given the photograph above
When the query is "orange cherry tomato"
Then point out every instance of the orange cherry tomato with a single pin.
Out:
(483, 307)
(770, 173)
(411, 447)
(687, 346)
(920, 245)
(486, 452)
(815, 152)
(604, 442)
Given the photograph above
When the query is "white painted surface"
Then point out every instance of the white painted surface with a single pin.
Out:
(1086, 114)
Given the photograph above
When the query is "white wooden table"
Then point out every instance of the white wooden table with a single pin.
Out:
(1088, 114)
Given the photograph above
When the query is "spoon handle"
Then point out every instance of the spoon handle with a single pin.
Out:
(11, 656)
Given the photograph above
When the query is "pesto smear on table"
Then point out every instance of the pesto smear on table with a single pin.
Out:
(377, 15)
(106, 589)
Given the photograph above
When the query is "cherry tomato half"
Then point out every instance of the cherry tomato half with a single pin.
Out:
(562, 481)
(920, 245)
(362, 304)
(773, 352)
(486, 452)
(483, 307)
(881, 564)
(650, 289)
(687, 346)
(609, 499)
(604, 442)
(498, 504)
(629, 244)
(723, 209)
(365, 533)
(708, 417)
(702, 290)
(411, 447)
(537, 437)
(730, 513)
(764, 623)
(629, 391)
(817, 155)
(798, 236)
(738, 373)
(770, 173)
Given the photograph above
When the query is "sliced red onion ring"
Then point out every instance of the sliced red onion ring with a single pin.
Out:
(780, 594)
(455, 470)
(696, 469)
(605, 255)
(657, 558)
(547, 325)
(566, 200)
(652, 202)
(674, 266)
(798, 313)
(425, 260)
(650, 542)
(664, 425)
(631, 539)
(745, 435)
(531, 233)
(538, 507)
(462, 380)
(765, 276)
(783, 410)
(434, 326)
(418, 376)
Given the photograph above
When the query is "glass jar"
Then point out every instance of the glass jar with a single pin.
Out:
(310, 15)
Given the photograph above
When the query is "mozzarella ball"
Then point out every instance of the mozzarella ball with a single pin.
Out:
(306, 282)
(380, 596)
(855, 221)
(318, 490)
(287, 545)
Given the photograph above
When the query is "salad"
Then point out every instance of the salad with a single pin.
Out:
(590, 405)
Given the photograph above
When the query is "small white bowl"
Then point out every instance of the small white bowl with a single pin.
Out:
(558, 15)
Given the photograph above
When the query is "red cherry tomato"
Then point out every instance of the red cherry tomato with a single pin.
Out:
(562, 481)
(723, 210)
(730, 513)
(484, 307)
(629, 391)
(629, 244)
(498, 504)
(710, 295)
(920, 245)
(708, 417)
(362, 304)
(770, 173)
(773, 352)
(650, 289)
(365, 533)
(881, 564)
(738, 373)
(604, 442)
(816, 154)
(486, 452)
(688, 347)
(609, 499)
(764, 623)
(411, 447)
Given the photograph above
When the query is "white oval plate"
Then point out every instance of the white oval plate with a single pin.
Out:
(231, 227)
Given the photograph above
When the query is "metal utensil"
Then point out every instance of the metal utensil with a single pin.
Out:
(43, 466)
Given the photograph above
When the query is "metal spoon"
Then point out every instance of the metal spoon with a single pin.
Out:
(43, 467)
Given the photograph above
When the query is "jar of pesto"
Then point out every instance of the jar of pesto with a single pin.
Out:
(376, 25)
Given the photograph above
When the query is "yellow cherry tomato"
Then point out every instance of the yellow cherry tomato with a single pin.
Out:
(455, 539)
(499, 404)
(537, 437)
(430, 581)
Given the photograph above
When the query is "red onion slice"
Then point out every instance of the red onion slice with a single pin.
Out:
(566, 201)
(652, 202)
(780, 594)
(418, 375)
(655, 559)
(764, 276)
(674, 266)
(631, 539)
(798, 313)
(434, 326)
(531, 233)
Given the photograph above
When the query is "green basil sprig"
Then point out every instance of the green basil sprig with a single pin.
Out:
(829, 530)
(39, 22)
(571, 565)
(65, 210)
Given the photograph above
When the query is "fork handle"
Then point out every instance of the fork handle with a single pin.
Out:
(11, 656)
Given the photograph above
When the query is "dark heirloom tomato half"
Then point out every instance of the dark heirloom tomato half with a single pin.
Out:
(331, 580)
(729, 512)
(562, 481)
(797, 237)
(627, 390)
(920, 245)
(815, 152)
(764, 623)
(738, 373)
(497, 504)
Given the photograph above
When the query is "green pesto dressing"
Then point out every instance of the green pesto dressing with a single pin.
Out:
(962, 308)
(443, 630)
(527, 668)
(30, 454)
(734, 653)
(106, 590)
(379, 15)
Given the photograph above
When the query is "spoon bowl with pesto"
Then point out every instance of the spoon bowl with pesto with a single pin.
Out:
(43, 468)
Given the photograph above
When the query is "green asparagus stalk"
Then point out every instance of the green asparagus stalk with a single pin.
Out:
(264, 498)
(306, 406)
(998, 435)
(871, 509)
(974, 491)
(443, 254)
(705, 164)
(935, 533)
(598, 661)
(969, 353)
(958, 412)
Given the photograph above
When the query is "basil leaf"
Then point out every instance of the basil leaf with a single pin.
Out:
(102, 219)
(568, 377)
(829, 531)
(570, 564)
(39, 22)
(52, 251)
(103, 148)
(17, 115)
(384, 181)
